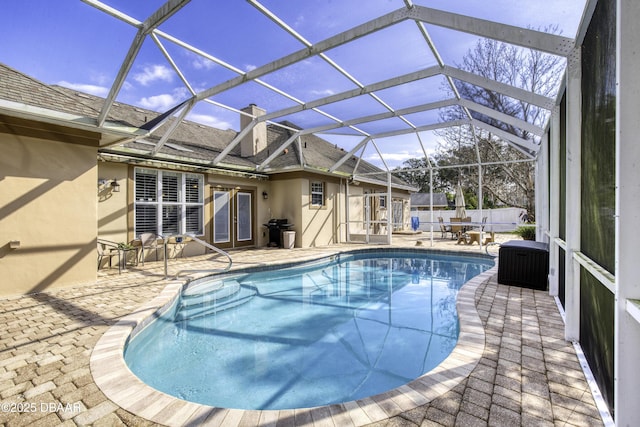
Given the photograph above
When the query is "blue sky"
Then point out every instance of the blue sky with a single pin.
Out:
(70, 43)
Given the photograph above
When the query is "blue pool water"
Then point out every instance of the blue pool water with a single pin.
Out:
(315, 334)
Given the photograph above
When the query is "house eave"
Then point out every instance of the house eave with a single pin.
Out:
(141, 158)
(110, 133)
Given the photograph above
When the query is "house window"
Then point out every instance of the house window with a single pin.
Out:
(167, 203)
(383, 202)
(317, 193)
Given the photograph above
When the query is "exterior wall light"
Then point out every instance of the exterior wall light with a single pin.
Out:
(115, 187)
(265, 195)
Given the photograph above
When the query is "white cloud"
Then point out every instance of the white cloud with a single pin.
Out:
(208, 120)
(323, 93)
(250, 67)
(152, 74)
(100, 78)
(159, 102)
(201, 63)
(299, 22)
(164, 101)
(86, 88)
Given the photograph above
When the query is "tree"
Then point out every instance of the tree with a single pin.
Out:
(510, 183)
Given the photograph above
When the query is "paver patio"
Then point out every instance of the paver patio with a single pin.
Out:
(528, 374)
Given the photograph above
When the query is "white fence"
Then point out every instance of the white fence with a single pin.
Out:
(503, 219)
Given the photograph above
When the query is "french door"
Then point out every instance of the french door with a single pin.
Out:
(233, 213)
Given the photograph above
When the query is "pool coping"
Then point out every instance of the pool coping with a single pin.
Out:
(119, 384)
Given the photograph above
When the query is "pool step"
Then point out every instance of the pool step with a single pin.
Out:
(206, 286)
(215, 289)
(217, 297)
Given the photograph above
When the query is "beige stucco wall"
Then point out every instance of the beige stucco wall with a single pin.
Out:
(320, 225)
(48, 203)
(284, 202)
(112, 206)
(314, 226)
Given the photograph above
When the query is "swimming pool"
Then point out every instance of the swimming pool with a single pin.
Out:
(318, 333)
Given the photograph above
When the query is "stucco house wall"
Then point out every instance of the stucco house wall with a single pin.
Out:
(320, 224)
(113, 206)
(284, 203)
(48, 204)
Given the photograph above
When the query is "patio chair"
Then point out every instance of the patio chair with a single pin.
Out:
(444, 229)
(455, 230)
(107, 249)
(467, 220)
(148, 241)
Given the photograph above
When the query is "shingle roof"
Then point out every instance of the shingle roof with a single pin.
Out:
(190, 140)
(18, 87)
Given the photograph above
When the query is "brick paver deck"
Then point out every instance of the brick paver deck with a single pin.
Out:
(527, 375)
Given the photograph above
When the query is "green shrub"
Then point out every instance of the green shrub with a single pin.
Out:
(527, 232)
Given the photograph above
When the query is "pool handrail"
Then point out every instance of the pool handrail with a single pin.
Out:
(486, 249)
(201, 242)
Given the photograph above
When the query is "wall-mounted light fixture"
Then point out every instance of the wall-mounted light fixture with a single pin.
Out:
(265, 195)
(115, 187)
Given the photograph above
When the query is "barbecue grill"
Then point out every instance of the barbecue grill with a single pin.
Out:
(276, 227)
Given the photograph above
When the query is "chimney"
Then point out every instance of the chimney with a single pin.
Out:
(256, 140)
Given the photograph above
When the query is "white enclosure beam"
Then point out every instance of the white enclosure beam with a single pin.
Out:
(627, 285)
(505, 89)
(385, 84)
(532, 39)
(381, 116)
(509, 137)
(554, 202)
(349, 154)
(176, 121)
(573, 196)
(238, 138)
(432, 126)
(278, 151)
(362, 30)
(542, 191)
(157, 18)
(323, 56)
(505, 118)
(113, 12)
(136, 44)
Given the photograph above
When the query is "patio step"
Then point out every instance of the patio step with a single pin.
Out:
(215, 297)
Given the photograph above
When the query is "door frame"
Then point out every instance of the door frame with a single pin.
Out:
(233, 241)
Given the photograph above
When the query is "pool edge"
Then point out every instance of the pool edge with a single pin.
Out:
(120, 385)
